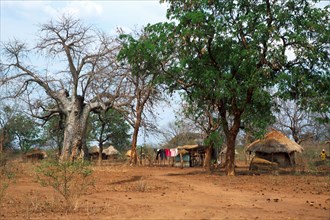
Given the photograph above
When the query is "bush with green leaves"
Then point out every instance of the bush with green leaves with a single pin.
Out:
(69, 179)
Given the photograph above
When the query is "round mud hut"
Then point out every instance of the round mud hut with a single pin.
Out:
(275, 147)
(110, 152)
(35, 155)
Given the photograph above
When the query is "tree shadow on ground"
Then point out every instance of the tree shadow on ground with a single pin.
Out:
(133, 179)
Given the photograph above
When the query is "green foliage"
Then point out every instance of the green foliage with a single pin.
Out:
(6, 113)
(110, 127)
(229, 54)
(69, 179)
(138, 53)
(24, 131)
(214, 139)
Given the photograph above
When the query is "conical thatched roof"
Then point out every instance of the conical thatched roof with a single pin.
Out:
(111, 150)
(108, 151)
(188, 147)
(274, 142)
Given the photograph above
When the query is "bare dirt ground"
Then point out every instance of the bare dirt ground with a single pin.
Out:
(124, 192)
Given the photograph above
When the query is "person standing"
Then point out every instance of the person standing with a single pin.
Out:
(323, 155)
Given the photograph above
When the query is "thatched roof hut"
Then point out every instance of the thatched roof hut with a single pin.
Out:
(275, 147)
(185, 148)
(36, 154)
(111, 150)
(274, 142)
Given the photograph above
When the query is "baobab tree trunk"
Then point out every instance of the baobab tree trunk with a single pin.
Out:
(74, 142)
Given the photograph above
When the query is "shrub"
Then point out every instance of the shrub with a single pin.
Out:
(69, 179)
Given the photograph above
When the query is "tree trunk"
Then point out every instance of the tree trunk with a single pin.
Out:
(181, 160)
(74, 142)
(133, 159)
(247, 142)
(99, 160)
(2, 140)
(230, 155)
(231, 138)
(208, 155)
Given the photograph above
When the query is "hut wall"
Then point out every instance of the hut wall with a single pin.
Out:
(94, 156)
(186, 161)
(281, 158)
(34, 157)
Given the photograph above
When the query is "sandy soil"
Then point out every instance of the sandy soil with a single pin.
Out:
(124, 192)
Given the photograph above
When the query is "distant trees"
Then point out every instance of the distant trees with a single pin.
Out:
(298, 122)
(179, 133)
(18, 130)
(7, 113)
(24, 132)
(109, 127)
(295, 121)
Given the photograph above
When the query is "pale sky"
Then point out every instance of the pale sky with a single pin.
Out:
(20, 20)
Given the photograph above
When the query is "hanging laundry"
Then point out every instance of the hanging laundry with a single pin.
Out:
(167, 152)
(174, 152)
(162, 154)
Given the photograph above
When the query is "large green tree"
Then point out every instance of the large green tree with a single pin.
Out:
(229, 55)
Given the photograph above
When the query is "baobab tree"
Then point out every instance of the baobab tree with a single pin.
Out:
(81, 76)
